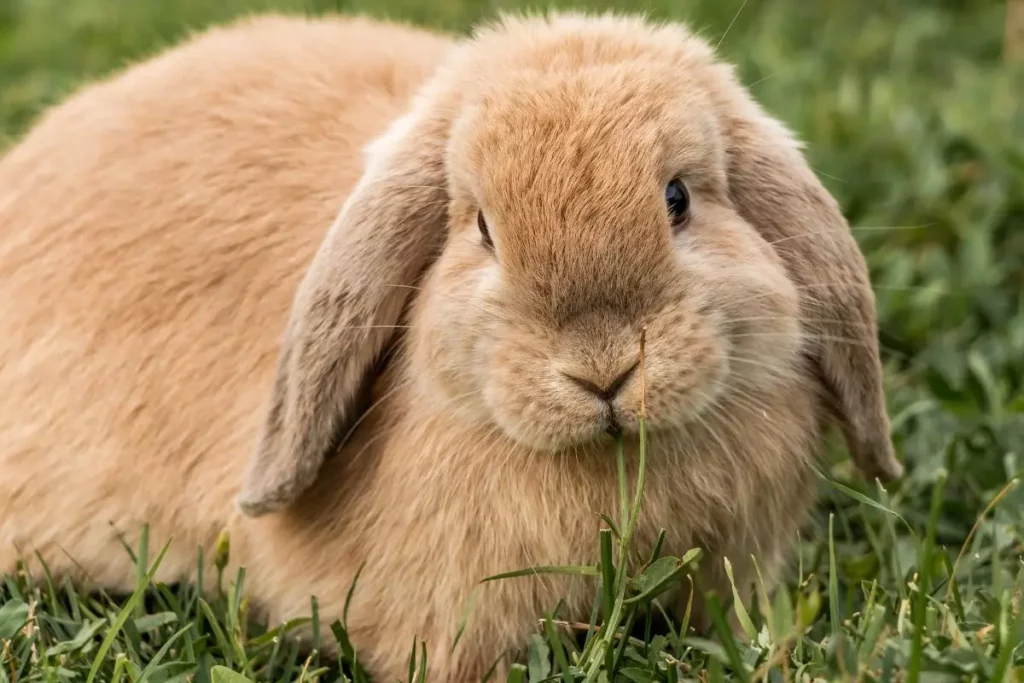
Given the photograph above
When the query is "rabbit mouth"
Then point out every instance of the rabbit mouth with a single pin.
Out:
(614, 429)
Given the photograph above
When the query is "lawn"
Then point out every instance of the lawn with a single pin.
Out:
(916, 123)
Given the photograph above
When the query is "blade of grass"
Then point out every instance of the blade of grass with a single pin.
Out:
(422, 675)
(140, 589)
(464, 620)
(741, 610)
(728, 640)
(142, 564)
(605, 639)
(1010, 486)
(620, 461)
(861, 498)
(227, 651)
(517, 673)
(924, 563)
(833, 582)
(555, 643)
(351, 592)
(570, 569)
(607, 572)
(161, 653)
(314, 607)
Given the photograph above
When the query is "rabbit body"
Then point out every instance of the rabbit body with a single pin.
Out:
(154, 231)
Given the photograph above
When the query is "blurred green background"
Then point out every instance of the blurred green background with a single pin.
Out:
(913, 119)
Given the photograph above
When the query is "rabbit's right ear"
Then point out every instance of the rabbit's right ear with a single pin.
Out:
(347, 306)
(776, 191)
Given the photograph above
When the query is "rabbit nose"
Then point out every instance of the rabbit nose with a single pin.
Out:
(608, 393)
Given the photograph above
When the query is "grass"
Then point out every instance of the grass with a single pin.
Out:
(916, 124)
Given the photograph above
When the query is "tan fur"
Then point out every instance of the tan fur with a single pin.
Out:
(158, 232)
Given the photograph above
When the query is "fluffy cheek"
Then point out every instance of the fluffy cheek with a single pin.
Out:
(765, 336)
(449, 327)
(468, 361)
(744, 288)
(531, 401)
(686, 362)
(762, 324)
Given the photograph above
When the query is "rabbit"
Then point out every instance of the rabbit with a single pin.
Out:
(370, 297)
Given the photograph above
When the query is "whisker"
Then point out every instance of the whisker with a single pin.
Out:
(377, 327)
(420, 187)
(864, 228)
(895, 288)
(394, 179)
(827, 338)
(382, 434)
(745, 399)
(729, 27)
(802, 318)
(707, 427)
(387, 394)
(883, 228)
(811, 335)
(765, 78)
(413, 287)
(759, 364)
(827, 175)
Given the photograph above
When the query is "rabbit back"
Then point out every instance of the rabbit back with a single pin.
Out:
(153, 229)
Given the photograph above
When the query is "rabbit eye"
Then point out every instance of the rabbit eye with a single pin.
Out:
(484, 233)
(677, 198)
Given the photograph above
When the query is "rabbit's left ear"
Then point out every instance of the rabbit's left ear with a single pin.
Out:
(774, 189)
(346, 309)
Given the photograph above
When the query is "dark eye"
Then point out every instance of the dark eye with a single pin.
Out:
(678, 201)
(482, 224)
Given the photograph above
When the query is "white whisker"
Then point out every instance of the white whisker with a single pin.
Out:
(838, 229)
(729, 27)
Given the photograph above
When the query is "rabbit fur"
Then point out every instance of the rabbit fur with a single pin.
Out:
(194, 336)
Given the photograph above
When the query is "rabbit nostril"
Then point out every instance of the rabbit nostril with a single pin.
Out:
(608, 393)
(621, 380)
(586, 385)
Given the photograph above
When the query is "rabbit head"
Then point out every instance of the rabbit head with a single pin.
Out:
(562, 186)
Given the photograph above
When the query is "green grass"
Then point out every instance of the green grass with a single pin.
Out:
(917, 127)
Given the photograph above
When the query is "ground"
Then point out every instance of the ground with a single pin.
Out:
(916, 123)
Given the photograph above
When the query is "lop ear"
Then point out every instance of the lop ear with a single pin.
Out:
(774, 189)
(346, 308)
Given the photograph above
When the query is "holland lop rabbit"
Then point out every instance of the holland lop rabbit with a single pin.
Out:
(425, 383)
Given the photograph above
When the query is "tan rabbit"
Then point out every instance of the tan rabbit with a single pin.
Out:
(458, 342)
